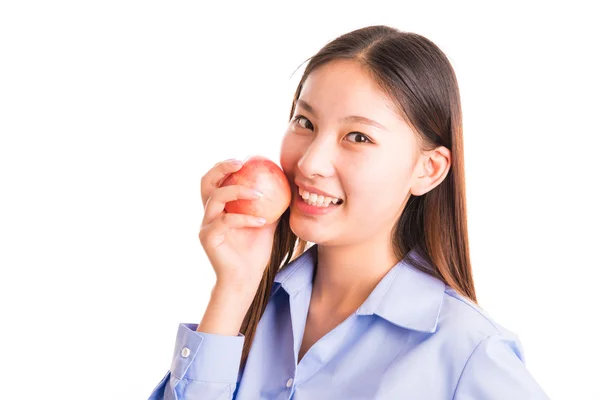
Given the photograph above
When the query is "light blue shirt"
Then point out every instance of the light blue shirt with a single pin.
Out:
(413, 338)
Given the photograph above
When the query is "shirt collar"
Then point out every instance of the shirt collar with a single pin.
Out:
(406, 296)
(299, 272)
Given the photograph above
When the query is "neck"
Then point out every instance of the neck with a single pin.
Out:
(346, 275)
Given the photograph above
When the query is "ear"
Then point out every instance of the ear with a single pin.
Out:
(431, 169)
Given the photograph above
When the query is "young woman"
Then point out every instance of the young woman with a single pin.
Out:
(382, 305)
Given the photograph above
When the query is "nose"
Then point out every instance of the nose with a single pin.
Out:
(317, 160)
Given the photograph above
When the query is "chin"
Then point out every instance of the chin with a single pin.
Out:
(305, 230)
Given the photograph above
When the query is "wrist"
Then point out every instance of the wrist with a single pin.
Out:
(223, 316)
(235, 291)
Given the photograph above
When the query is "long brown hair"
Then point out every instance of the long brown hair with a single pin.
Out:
(419, 78)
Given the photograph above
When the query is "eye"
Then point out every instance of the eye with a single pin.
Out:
(364, 139)
(299, 119)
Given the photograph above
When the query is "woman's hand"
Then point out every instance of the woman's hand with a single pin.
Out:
(238, 246)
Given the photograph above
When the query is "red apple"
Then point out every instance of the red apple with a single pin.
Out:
(264, 175)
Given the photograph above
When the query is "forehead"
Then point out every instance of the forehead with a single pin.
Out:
(344, 87)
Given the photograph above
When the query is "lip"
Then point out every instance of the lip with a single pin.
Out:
(315, 190)
(307, 209)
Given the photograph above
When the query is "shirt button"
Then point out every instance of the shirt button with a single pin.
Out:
(185, 352)
(289, 382)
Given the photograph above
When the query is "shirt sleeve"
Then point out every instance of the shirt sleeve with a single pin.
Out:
(204, 366)
(496, 371)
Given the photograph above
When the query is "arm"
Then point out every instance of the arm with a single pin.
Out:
(496, 371)
(207, 356)
(204, 366)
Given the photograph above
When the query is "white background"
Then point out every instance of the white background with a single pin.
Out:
(110, 112)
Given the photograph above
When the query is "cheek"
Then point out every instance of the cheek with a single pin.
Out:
(291, 151)
(383, 179)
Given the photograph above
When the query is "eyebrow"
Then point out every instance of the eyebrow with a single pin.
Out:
(350, 118)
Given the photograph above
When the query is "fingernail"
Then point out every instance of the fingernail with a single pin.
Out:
(258, 193)
(235, 161)
(261, 220)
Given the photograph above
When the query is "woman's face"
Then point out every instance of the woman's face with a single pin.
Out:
(330, 145)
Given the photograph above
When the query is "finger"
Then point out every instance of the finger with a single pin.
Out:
(213, 178)
(221, 196)
(214, 233)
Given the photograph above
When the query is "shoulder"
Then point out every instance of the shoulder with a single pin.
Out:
(467, 325)
(493, 362)
(463, 310)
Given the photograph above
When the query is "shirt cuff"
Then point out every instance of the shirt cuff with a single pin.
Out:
(206, 357)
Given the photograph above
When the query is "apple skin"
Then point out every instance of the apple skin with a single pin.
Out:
(262, 174)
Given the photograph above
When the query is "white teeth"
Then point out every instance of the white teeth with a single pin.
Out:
(317, 200)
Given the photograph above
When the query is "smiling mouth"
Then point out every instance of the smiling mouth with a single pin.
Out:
(316, 200)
